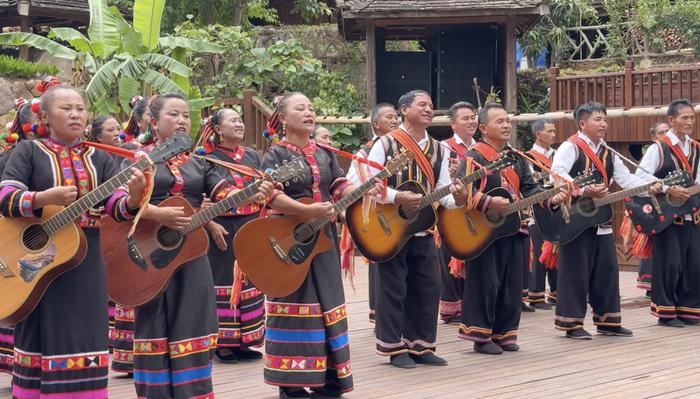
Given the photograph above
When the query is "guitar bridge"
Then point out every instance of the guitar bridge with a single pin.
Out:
(281, 253)
(5, 270)
(383, 223)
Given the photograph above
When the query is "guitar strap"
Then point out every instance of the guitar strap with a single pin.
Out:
(593, 157)
(508, 173)
(459, 148)
(543, 159)
(418, 155)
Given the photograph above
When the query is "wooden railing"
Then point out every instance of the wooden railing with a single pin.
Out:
(627, 89)
(255, 114)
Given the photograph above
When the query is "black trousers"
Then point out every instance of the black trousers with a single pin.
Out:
(588, 270)
(372, 271)
(644, 273)
(492, 293)
(408, 292)
(675, 288)
(451, 288)
(539, 274)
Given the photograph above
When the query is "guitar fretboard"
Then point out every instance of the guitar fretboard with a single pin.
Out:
(445, 190)
(620, 195)
(202, 217)
(73, 211)
(531, 200)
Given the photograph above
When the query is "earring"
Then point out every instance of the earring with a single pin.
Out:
(284, 128)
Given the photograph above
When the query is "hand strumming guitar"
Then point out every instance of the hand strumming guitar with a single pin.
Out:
(61, 195)
(498, 204)
(678, 194)
(596, 191)
(408, 200)
(317, 210)
(170, 216)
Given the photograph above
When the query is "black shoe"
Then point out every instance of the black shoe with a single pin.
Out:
(487, 348)
(579, 333)
(429, 359)
(614, 331)
(328, 391)
(671, 322)
(511, 347)
(226, 357)
(453, 320)
(648, 294)
(526, 307)
(542, 306)
(403, 361)
(689, 322)
(294, 392)
(242, 354)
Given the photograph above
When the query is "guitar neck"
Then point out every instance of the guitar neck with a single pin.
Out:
(532, 200)
(445, 190)
(74, 210)
(620, 195)
(204, 216)
(311, 227)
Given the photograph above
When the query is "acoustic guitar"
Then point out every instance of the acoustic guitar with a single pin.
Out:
(35, 251)
(137, 274)
(390, 226)
(286, 245)
(587, 212)
(466, 233)
(652, 218)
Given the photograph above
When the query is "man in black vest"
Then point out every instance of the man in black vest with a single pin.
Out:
(587, 266)
(408, 286)
(494, 281)
(675, 286)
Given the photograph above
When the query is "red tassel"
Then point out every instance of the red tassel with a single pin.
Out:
(457, 268)
(550, 255)
(642, 246)
(347, 255)
(237, 285)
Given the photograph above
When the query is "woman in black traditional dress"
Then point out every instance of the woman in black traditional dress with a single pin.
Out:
(241, 327)
(61, 348)
(306, 342)
(175, 335)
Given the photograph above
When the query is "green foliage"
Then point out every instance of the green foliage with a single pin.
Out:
(533, 97)
(550, 30)
(11, 67)
(282, 66)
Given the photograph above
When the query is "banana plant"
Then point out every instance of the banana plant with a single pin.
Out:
(122, 60)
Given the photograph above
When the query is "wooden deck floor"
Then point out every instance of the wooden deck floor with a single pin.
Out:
(657, 362)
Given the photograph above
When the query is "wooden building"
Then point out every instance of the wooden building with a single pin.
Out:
(31, 14)
(458, 41)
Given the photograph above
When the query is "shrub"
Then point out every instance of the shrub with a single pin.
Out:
(11, 67)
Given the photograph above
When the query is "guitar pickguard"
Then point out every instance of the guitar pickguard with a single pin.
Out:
(162, 257)
(299, 252)
(32, 264)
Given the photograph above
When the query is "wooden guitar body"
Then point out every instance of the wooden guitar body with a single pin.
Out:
(467, 233)
(582, 215)
(389, 227)
(30, 261)
(644, 215)
(271, 257)
(134, 281)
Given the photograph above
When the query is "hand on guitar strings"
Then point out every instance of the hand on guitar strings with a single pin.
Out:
(218, 232)
(266, 188)
(137, 188)
(561, 197)
(206, 202)
(61, 195)
(170, 216)
(408, 200)
(318, 210)
(677, 193)
(596, 190)
(377, 189)
(498, 204)
(459, 192)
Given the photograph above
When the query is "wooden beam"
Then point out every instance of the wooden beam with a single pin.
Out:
(25, 25)
(511, 79)
(371, 62)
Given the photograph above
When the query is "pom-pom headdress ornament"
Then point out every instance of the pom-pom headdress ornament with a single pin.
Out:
(273, 129)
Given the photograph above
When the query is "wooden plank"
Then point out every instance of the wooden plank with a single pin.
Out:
(371, 62)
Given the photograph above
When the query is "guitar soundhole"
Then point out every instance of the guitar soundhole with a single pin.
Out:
(35, 238)
(168, 238)
(303, 235)
(494, 218)
(586, 207)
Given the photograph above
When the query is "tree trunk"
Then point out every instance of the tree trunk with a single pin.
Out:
(238, 10)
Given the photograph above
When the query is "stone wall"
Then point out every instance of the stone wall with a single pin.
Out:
(10, 89)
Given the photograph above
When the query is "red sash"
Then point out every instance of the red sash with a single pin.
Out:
(418, 155)
(678, 152)
(543, 159)
(459, 148)
(508, 173)
(593, 157)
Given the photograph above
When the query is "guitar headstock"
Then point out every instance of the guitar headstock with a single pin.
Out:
(175, 145)
(394, 165)
(678, 178)
(585, 179)
(288, 171)
(506, 159)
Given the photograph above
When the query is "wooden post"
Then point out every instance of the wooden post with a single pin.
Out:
(371, 62)
(25, 25)
(553, 89)
(251, 128)
(511, 83)
(629, 85)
